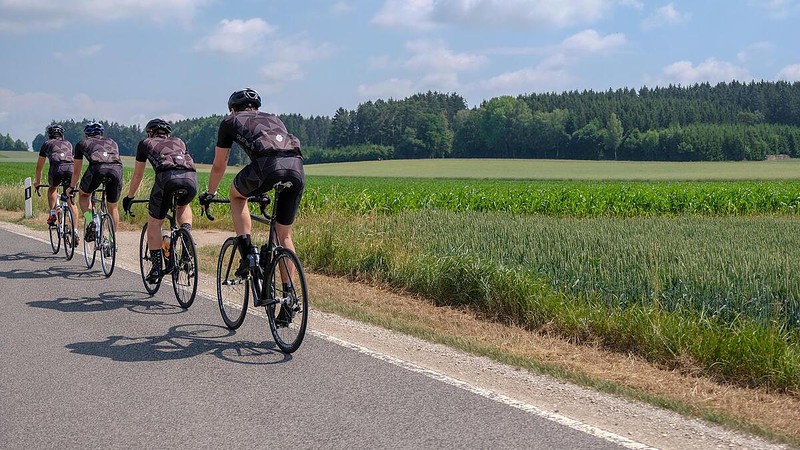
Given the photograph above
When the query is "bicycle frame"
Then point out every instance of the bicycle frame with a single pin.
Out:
(268, 250)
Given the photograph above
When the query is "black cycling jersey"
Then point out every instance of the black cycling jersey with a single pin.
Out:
(98, 150)
(164, 153)
(259, 134)
(57, 151)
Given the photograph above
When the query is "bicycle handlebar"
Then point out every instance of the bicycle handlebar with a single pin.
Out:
(262, 201)
(129, 211)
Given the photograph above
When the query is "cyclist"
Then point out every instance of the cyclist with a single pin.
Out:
(104, 162)
(58, 151)
(274, 156)
(174, 171)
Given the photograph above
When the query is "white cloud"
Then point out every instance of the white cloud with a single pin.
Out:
(711, 70)
(591, 42)
(341, 7)
(789, 73)
(26, 114)
(665, 16)
(24, 16)
(413, 14)
(288, 60)
(391, 88)
(778, 9)
(436, 57)
(79, 53)
(755, 51)
(236, 37)
(554, 71)
(427, 14)
(433, 65)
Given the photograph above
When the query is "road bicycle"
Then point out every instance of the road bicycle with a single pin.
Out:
(104, 241)
(178, 253)
(63, 229)
(277, 282)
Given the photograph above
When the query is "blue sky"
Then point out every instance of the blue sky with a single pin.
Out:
(131, 60)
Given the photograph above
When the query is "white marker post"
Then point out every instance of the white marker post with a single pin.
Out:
(28, 198)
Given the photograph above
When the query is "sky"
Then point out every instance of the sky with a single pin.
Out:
(128, 61)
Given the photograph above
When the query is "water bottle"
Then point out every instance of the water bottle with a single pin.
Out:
(252, 257)
(165, 236)
(96, 222)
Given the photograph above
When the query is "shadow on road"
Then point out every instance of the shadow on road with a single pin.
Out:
(68, 272)
(137, 302)
(183, 341)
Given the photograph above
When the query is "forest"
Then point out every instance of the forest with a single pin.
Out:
(728, 121)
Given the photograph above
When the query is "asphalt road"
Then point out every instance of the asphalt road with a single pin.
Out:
(90, 362)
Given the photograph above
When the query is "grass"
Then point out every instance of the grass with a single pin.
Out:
(712, 294)
(543, 169)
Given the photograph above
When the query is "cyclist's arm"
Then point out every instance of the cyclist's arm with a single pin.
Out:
(218, 168)
(39, 166)
(76, 172)
(136, 180)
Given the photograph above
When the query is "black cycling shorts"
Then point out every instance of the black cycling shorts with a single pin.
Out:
(261, 175)
(167, 183)
(59, 175)
(94, 176)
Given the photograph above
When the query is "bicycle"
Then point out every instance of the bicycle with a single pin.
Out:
(287, 312)
(177, 242)
(63, 229)
(104, 240)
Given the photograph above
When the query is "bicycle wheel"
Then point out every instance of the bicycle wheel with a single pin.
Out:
(146, 263)
(184, 272)
(69, 235)
(89, 249)
(55, 238)
(107, 245)
(232, 291)
(288, 314)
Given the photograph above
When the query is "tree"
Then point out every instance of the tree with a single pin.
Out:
(613, 135)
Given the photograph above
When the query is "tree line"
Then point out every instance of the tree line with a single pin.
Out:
(727, 121)
(9, 143)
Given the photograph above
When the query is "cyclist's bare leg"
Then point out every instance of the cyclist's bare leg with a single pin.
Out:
(84, 200)
(285, 240)
(239, 213)
(113, 209)
(74, 209)
(184, 214)
(52, 196)
(154, 233)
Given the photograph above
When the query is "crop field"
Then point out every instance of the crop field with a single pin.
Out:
(688, 274)
(554, 169)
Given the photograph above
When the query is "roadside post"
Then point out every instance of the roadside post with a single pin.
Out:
(28, 198)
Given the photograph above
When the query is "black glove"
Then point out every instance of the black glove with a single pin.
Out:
(126, 204)
(205, 199)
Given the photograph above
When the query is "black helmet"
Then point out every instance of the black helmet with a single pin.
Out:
(54, 131)
(93, 129)
(156, 125)
(244, 98)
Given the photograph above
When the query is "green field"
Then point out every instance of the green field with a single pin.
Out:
(564, 170)
(675, 271)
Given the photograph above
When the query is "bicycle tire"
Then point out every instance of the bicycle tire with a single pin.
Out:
(145, 263)
(69, 234)
(232, 292)
(288, 336)
(89, 256)
(184, 272)
(55, 238)
(108, 246)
